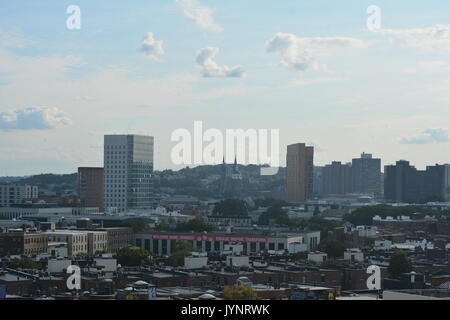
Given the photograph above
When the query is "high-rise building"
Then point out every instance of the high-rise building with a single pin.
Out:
(318, 180)
(16, 194)
(128, 163)
(299, 175)
(90, 187)
(366, 175)
(337, 178)
(404, 183)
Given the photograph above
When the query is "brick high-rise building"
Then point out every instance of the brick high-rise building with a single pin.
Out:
(90, 187)
(300, 166)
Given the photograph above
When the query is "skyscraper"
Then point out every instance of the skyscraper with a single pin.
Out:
(366, 175)
(90, 187)
(300, 166)
(128, 163)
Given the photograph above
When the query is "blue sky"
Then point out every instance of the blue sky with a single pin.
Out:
(327, 81)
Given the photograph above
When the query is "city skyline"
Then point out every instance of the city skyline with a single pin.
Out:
(321, 78)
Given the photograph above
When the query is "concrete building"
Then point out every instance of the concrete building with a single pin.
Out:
(162, 243)
(196, 262)
(15, 194)
(128, 163)
(354, 255)
(300, 166)
(366, 175)
(77, 241)
(317, 257)
(90, 187)
(30, 210)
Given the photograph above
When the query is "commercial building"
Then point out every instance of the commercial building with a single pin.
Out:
(90, 187)
(17, 242)
(366, 175)
(300, 166)
(118, 238)
(128, 163)
(15, 194)
(404, 183)
(162, 244)
(36, 209)
(97, 242)
(77, 241)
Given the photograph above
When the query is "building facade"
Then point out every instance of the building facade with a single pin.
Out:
(16, 194)
(366, 175)
(300, 166)
(337, 178)
(404, 183)
(97, 242)
(17, 242)
(90, 187)
(77, 241)
(163, 244)
(128, 163)
(118, 238)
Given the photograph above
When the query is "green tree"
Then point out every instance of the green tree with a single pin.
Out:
(239, 293)
(196, 225)
(333, 248)
(276, 213)
(399, 263)
(182, 249)
(132, 257)
(26, 263)
(231, 208)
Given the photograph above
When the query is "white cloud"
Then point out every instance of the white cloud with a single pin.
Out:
(205, 58)
(428, 66)
(201, 15)
(152, 48)
(429, 136)
(433, 39)
(32, 118)
(302, 54)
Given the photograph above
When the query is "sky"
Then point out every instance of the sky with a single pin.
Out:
(318, 71)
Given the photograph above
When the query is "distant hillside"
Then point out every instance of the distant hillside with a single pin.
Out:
(51, 179)
(201, 181)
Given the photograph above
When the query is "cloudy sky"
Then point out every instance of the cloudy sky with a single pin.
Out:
(312, 69)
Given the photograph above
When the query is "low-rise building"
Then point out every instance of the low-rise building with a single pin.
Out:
(77, 241)
(97, 242)
(354, 255)
(317, 257)
(17, 242)
(163, 243)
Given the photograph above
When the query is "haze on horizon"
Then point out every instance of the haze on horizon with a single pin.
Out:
(319, 75)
